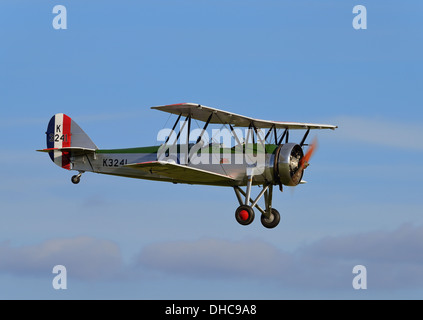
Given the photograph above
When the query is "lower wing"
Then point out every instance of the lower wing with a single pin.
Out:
(182, 174)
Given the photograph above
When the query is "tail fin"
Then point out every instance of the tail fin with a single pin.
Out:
(64, 133)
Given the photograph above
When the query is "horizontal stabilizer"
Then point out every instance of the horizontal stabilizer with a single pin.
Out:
(182, 173)
(75, 151)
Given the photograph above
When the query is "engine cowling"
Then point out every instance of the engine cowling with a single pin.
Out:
(286, 164)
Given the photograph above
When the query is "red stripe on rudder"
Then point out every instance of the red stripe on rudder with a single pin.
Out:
(66, 143)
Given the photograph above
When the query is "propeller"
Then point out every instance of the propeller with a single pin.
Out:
(304, 161)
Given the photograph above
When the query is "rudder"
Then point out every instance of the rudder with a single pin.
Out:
(63, 132)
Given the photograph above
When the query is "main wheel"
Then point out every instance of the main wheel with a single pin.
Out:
(75, 179)
(244, 215)
(272, 221)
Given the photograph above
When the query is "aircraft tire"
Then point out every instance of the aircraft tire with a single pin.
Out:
(75, 179)
(273, 221)
(244, 215)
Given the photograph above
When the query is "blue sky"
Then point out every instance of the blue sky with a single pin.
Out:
(277, 60)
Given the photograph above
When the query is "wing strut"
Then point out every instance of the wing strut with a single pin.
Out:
(285, 133)
(250, 131)
(268, 132)
(234, 134)
(183, 126)
(173, 129)
(189, 130)
(259, 139)
(177, 136)
(204, 129)
(305, 137)
(276, 135)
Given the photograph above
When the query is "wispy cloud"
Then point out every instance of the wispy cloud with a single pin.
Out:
(83, 257)
(9, 122)
(19, 121)
(394, 260)
(107, 117)
(389, 133)
(213, 257)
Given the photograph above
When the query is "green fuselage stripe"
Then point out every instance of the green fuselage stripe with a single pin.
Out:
(270, 148)
(152, 149)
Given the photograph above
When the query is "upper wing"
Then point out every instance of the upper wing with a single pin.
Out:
(202, 113)
(182, 174)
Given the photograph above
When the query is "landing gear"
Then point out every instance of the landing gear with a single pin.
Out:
(77, 178)
(244, 214)
(271, 221)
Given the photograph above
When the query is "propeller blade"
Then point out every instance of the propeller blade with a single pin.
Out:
(304, 160)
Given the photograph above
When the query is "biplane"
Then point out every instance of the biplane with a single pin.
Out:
(256, 159)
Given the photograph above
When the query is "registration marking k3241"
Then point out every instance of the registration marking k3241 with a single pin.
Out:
(110, 162)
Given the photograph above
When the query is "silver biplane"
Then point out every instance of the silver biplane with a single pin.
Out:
(260, 159)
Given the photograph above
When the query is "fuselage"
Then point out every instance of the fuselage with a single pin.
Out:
(234, 162)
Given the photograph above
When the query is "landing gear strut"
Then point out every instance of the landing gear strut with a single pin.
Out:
(77, 178)
(244, 214)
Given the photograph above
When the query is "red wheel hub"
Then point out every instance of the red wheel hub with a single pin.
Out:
(244, 215)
